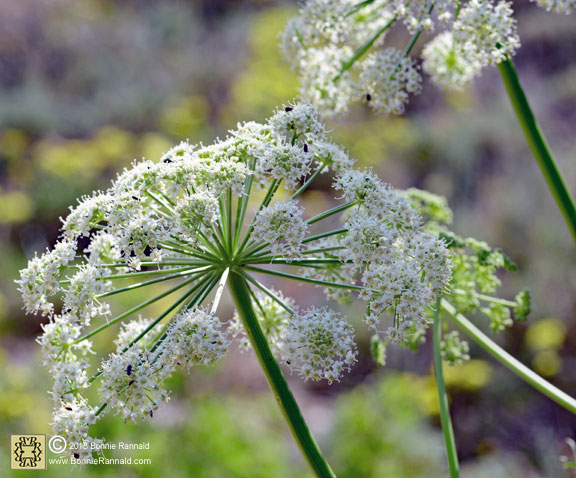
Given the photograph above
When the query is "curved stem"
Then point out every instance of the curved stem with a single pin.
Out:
(538, 144)
(529, 376)
(443, 396)
(239, 290)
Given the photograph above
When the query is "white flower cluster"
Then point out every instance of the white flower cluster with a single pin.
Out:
(558, 6)
(401, 267)
(320, 42)
(133, 376)
(486, 32)
(131, 384)
(336, 48)
(282, 226)
(319, 344)
(192, 218)
(388, 78)
(419, 13)
(446, 63)
(195, 337)
(72, 421)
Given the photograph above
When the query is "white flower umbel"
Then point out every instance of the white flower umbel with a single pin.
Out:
(558, 6)
(486, 31)
(228, 214)
(339, 47)
(320, 42)
(282, 226)
(195, 337)
(387, 79)
(72, 421)
(447, 64)
(319, 344)
(132, 384)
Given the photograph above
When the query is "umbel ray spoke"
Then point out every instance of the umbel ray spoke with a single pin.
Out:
(136, 309)
(184, 273)
(306, 279)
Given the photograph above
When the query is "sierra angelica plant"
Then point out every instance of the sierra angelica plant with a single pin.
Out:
(339, 49)
(204, 218)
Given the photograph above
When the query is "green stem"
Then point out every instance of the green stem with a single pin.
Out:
(323, 235)
(118, 318)
(269, 195)
(309, 181)
(443, 396)
(239, 290)
(538, 144)
(529, 376)
(331, 212)
(138, 285)
(364, 48)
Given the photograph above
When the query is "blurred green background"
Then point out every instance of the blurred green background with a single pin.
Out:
(86, 87)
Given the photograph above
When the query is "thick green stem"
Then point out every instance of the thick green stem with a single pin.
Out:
(443, 396)
(239, 290)
(538, 144)
(529, 376)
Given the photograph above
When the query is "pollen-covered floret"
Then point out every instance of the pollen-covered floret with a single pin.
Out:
(319, 344)
(387, 78)
(195, 337)
(282, 226)
(132, 383)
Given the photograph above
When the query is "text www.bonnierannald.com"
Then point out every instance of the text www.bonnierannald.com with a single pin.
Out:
(101, 460)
